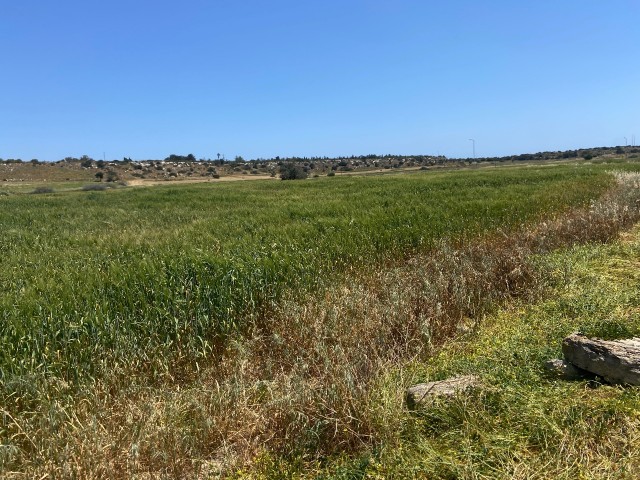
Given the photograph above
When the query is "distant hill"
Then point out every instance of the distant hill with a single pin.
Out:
(184, 167)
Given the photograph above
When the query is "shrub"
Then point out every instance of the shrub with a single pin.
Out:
(94, 187)
(292, 171)
(43, 190)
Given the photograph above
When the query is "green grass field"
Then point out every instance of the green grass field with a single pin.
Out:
(113, 289)
(115, 275)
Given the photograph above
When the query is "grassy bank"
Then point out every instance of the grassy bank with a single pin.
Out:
(525, 424)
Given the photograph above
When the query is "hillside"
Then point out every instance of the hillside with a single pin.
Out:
(176, 167)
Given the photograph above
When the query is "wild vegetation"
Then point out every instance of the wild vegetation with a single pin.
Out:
(524, 424)
(187, 167)
(194, 330)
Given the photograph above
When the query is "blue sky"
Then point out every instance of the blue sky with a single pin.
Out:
(145, 79)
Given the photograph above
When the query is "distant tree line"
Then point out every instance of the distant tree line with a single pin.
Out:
(357, 160)
(180, 158)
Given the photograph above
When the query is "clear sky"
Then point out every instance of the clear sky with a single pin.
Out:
(144, 79)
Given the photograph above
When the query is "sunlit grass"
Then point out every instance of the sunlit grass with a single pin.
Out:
(117, 274)
(158, 328)
(525, 423)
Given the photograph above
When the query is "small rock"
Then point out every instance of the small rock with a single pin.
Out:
(425, 393)
(565, 371)
(617, 361)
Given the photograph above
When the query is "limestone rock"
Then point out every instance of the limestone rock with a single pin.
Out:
(425, 393)
(565, 371)
(617, 361)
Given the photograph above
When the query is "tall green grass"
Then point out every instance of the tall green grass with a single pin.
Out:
(92, 281)
(227, 323)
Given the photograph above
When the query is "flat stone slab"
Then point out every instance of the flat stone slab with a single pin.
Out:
(425, 393)
(617, 361)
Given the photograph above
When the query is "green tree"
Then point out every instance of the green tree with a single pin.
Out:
(292, 171)
(86, 161)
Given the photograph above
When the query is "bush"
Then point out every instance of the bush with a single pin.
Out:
(43, 190)
(95, 187)
(292, 171)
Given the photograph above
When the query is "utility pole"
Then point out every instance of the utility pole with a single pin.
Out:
(625, 141)
(474, 147)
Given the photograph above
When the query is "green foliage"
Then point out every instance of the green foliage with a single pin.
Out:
(170, 269)
(523, 421)
(42, 190)
(95, 187)
(181, 158)
(292, 171)
(111, 304)
(612, 328)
